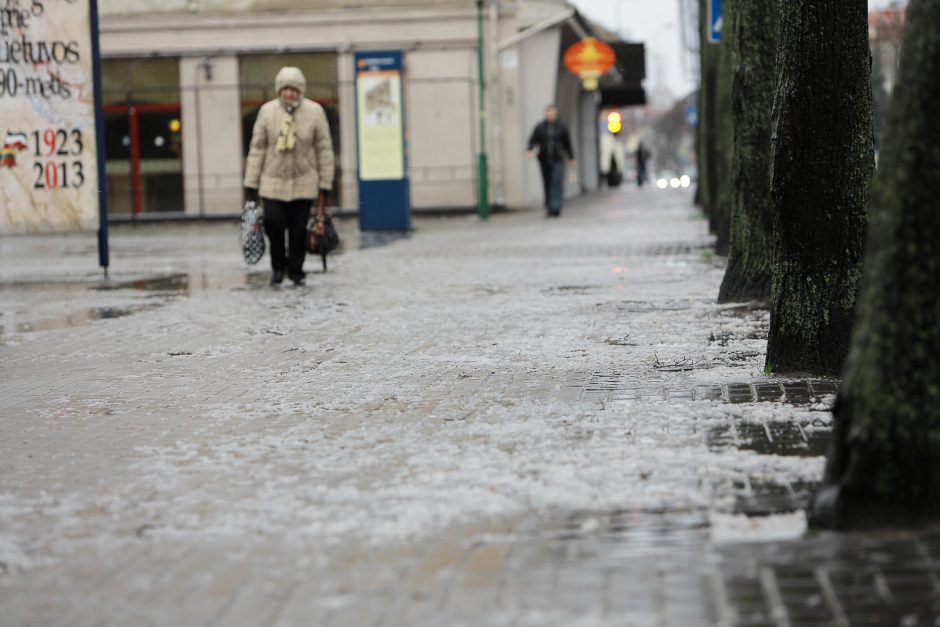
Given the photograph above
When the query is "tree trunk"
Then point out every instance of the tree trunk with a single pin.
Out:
(752, 34)
(707, 154)
(884, 462)
(822, 159)
(720, 221)
(881, 99)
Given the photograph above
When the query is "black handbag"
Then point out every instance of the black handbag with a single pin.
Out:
(325, 243)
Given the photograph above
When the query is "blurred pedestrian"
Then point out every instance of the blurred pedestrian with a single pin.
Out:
(551, 143)
(642, 165)
(290, 167)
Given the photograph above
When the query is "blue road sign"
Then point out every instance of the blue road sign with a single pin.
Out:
(691, 115)
(714, 21)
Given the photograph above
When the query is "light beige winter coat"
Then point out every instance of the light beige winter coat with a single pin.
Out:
(298, 173)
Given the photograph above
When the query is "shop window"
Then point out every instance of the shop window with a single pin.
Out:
(143, 135)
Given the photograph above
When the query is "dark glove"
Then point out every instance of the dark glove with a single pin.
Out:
(251, 195)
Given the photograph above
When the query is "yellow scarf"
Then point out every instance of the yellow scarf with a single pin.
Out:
(286, 138)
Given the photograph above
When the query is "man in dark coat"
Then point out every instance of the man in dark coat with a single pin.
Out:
(642, 169)
(551, 142)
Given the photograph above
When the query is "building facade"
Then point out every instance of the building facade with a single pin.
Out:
(183, 80)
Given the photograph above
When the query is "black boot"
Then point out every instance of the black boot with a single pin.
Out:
(277, 277)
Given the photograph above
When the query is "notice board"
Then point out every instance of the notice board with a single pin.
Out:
(384, 190)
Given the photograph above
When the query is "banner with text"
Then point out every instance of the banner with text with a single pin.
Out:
(48, 163)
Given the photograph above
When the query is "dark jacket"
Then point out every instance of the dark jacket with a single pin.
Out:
(552, 141)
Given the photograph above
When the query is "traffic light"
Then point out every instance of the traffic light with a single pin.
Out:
(614, 122)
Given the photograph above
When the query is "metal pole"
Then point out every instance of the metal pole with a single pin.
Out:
(104, 257)
(484, 193)
(197, 96)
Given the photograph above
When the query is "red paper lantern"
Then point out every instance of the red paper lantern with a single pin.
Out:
(590, 59)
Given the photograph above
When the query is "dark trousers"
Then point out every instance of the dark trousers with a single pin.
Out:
(290, 217)
(553, 181)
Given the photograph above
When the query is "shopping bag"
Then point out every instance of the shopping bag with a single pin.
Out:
(252, 233)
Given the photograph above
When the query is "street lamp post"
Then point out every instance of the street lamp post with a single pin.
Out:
(484, 192)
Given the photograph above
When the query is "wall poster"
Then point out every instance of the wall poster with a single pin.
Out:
(49, 156)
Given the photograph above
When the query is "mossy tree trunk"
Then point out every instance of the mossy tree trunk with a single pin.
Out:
(752, 36)
(884, 462)
(822, 160)
(881, 99)
(715, 132)
(720, 217)
(707, 127)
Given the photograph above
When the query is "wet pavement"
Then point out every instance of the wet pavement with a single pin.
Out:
(523, 422)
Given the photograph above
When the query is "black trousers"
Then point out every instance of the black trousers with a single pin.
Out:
(291, 218)
(553, 182)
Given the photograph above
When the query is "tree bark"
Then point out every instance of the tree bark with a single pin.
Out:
(884, 462)
(707, 153)
(752, 36)
(720, 217)
(822, 160)
(881, 99)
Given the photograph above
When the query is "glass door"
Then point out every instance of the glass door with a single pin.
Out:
(143, 136)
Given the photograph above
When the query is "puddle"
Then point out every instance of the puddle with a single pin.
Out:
(188, 283)
(825, 578)
(169, 283)
(256, 281)
(175, 284)
(794, 392)
(157, 290)
(644, 530)
(380, 239)
(767, 498)
(774, 438)
(76, 319)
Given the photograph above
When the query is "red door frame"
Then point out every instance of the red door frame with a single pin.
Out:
(133, 111)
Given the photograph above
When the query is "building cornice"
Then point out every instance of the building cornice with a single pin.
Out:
(273, 19)
(287, 31)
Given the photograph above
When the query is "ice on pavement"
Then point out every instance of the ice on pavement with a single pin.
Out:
(414, 388)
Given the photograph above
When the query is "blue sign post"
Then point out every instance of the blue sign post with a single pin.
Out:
(384, 188)
(715, 20)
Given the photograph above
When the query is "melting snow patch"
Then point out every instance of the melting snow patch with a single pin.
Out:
(12, 556)
(727, 528)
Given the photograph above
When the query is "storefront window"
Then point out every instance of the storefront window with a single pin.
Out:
(143, 135)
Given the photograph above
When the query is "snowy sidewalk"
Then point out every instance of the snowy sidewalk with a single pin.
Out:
(523, 422)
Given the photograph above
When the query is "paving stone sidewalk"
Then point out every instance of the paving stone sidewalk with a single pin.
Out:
(520, 422)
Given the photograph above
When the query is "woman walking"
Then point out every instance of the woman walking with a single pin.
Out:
(289, 167)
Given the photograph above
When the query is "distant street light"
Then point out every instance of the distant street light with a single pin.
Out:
(614, 122)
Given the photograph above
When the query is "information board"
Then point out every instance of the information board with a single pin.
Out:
(384, 192)
(49, 156)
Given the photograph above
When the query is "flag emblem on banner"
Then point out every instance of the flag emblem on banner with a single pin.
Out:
(13, 143)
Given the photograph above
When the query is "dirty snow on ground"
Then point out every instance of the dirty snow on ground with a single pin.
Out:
(474, 372)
